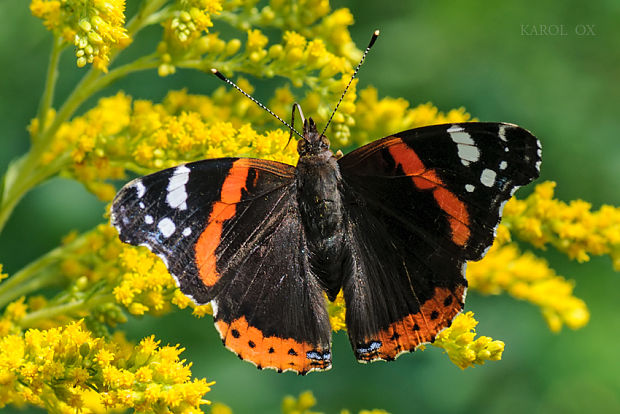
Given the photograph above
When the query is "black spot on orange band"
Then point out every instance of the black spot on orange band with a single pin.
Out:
(273, 352)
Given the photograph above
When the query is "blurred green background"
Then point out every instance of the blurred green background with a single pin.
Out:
(565, 89)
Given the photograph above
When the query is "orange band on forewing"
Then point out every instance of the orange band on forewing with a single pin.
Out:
(409, 332)
(459, 219)
(268, 352)
(408, 159)
(222, 210)
(427, 179)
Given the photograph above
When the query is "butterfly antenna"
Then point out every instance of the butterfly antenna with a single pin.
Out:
(372, 42)
(303, 121)
(247, 95)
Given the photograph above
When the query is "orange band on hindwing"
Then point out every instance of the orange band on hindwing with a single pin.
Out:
(414, 329)
(222, 210)
(272, 352)
(427, 179)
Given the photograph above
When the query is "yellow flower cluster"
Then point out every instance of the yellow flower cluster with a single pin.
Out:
(527, 277)
(183, 37)
(93, 26)
(572, 228)
(138, 279)
(462, 349)
(311, 18)
(303, 62)
(376, 118)
(59, 369)
(144, 137)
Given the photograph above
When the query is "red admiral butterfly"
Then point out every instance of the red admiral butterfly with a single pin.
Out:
(392, 224)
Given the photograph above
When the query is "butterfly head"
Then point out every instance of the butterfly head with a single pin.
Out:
(313, 143)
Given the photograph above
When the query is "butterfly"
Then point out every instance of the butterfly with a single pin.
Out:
(391, 224)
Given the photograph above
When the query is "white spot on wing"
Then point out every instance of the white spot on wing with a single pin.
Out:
(140, 188)
(166, 227)
(187, 231)
(501, 210)
(487, 177)
(502, 132)
(470, 188)
(148, 219)
(503, 165)
(177, 195)
(141, 204)
(468, 152)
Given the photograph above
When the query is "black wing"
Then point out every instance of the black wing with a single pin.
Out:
(229, 232)
(421, 203)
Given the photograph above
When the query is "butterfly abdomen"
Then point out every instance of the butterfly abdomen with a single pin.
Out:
(321, 210)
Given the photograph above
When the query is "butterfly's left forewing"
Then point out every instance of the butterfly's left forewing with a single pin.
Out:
(419, 205)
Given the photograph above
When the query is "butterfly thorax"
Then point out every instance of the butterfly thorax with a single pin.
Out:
(321, 207)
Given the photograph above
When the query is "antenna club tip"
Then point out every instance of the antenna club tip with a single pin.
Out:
(218, 74)
(375, 35)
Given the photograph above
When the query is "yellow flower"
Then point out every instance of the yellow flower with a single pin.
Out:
(465, 351)
(337, 310)
(255, 45)
(16, 310)
(219, 408)
(190, 18)
(299, 405)
(94, 31)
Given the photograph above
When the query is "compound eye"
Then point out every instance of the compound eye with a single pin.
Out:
(324, 142)
(301, 146)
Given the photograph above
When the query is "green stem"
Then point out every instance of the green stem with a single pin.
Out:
(14, 286)
(21, 176)
(43, 279)
(85, 304)
(142, 18)
(50, 83)
(27, 172)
